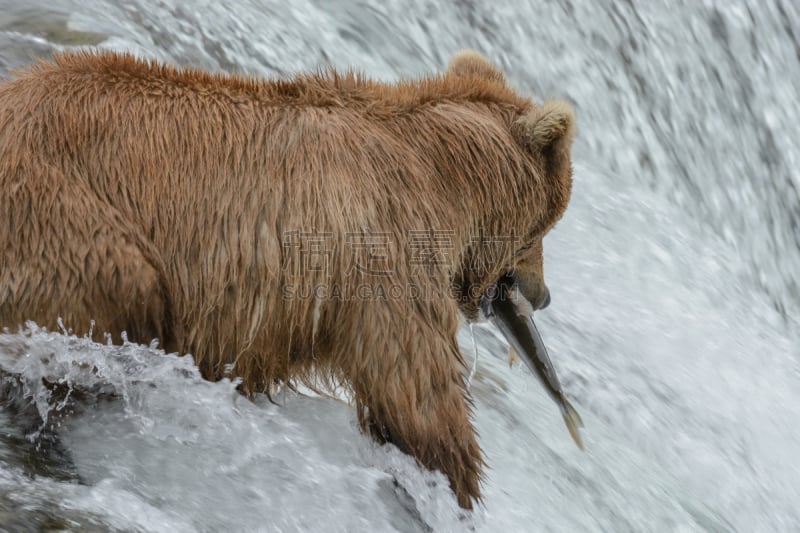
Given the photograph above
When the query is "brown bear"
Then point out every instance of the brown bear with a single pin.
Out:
(283, 230)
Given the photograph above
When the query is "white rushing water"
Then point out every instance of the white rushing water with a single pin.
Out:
(675, 277)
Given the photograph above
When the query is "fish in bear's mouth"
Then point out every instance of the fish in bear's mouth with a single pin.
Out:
(508, 309)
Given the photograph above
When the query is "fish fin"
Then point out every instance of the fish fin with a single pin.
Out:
(512, 356)
(573, 422)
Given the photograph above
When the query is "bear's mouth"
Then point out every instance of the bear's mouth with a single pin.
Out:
(512, 313)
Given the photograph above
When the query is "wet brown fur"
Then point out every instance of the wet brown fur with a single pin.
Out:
(157, 201)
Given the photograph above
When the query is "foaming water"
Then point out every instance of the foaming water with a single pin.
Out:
(674, 280)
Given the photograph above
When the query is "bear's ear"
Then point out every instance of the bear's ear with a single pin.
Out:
(472, 63)
(546, 132)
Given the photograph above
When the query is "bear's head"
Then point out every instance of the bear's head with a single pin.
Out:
(542, 135)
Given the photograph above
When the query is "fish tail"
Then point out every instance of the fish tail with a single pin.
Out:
(573, 421)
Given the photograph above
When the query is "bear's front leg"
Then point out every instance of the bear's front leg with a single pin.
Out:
(406, 373)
